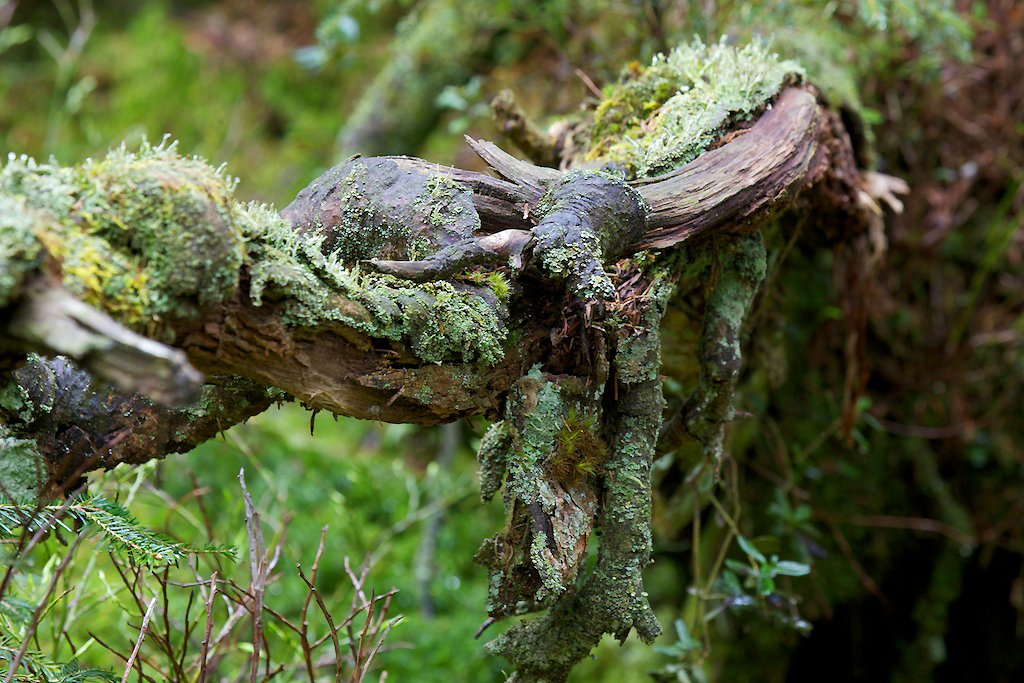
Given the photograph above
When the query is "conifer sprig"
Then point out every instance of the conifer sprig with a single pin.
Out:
(118, 528)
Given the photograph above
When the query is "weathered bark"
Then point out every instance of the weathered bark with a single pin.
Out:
(761, 169)
(77, 426)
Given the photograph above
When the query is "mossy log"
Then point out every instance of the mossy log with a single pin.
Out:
(396, 290)
(366, 344)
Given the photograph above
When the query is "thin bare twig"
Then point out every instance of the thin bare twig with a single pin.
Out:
(357, 674)
(376, 648)
(330, 623)
(138, 643)
(111, 650)
(258, 568)
(307, 651)
(209, 629)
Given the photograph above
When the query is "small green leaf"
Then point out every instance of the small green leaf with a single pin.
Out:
(686, 641)
(738, 567)
(732, 582)
(752, 552)
(801, 514)
(670, 651)
(790, 569)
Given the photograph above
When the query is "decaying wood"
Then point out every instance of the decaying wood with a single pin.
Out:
(85, 426)
(51, 321)
(797, 145)
(344, 371)
(794, 149)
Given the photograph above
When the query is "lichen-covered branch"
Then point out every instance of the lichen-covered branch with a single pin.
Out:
(612, 599)
(550, 447)
(397, 290)
(742, 265)
(47, 319)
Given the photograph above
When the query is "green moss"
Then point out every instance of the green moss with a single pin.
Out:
(677, 107)
(497, 282)
(545, 427)
(174, 215)
(142, 236)
(579, 452)
(150, 236)
(499, 286)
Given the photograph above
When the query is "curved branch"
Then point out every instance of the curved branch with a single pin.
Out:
(761, 168)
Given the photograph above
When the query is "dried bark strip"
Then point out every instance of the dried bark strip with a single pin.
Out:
(762, 168)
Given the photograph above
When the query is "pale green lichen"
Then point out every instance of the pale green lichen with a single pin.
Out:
(550, 516)
(233, 396)
(561, 261)
(15, 403)
(743, 266)
(380, 208)
(682, 102)
(492, 457)
(537, 407)
(634, 351)
(441, 321)
(20, 473)
(578, 234)
(552, 580)
(447, 203)
(20, 252)
(360, 234)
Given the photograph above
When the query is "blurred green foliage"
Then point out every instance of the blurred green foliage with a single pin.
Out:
(100, 76)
